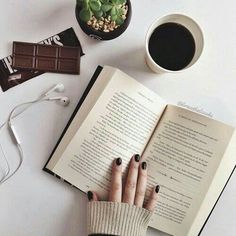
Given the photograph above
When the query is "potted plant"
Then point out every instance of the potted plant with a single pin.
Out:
(103, 19)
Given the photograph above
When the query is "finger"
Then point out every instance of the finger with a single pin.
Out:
(141, 186)
(131, 181)
(116, 181)
(92, 196)
(153, 199)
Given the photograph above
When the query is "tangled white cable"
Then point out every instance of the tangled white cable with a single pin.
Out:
(63, 101)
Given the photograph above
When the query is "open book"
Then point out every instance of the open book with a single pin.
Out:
(189, 155)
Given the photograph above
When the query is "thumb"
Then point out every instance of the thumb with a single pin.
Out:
(92, 196)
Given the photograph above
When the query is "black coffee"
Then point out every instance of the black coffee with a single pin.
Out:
(172, 46)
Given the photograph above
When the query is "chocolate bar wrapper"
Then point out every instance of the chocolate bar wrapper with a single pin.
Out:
(10, 77)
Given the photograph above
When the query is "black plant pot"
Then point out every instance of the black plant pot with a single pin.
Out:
(100, 35)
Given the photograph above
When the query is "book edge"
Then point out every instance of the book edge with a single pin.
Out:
(209, 215)
(89, 86)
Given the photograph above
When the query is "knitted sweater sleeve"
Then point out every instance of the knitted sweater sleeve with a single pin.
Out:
(117, 219)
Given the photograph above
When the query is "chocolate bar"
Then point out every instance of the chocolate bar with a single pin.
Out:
(47, 58)
(10, 77)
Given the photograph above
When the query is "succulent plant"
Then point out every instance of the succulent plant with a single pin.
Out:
(102, 8)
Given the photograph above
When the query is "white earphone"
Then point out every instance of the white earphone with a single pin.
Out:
(58, 88)
(44, 97)
(63, 100)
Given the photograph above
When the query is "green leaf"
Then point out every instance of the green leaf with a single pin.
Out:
(113, 11)
(95, 5)
(121, 11)
(106, 7)
(85, 15)
(120, 2)
(82, 3)
(85, 4)
(98, 14)
(119, 20)
(117, 2)
(114, 17)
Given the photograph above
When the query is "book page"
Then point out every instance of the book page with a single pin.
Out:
(91, 98)
(119, 125)
(224, 171)
(183, 156)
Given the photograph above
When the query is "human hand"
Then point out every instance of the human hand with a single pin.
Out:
(135, 185)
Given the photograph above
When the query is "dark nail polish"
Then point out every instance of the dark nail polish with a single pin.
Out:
(90, 195)
(144, 165)
(137, 157)
(157, 188)
(118, 161)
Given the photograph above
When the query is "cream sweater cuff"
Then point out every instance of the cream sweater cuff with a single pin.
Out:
(117, 219)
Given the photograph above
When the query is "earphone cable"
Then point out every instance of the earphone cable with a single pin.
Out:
(30, 103)
(44, 97)
(7, 164)
(23, 104)
(21, 154)
(17, 168)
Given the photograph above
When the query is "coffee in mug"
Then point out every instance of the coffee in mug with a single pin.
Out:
(173, 43)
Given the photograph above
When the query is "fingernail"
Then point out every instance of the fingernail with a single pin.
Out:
(90, 195)
(137, 157)
(144, 165)
(157, 188)
(118, 161)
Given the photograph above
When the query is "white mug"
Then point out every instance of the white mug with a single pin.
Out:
(189, 24)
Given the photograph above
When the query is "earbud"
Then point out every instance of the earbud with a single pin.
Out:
(63, 100)
(58, 88)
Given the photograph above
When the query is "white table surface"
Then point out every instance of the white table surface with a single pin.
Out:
(34, 203)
